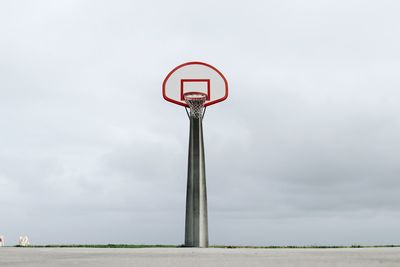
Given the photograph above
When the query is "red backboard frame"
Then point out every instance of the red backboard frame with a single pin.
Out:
(209, 89)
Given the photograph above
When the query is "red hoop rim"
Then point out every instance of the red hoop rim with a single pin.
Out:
(187, 94)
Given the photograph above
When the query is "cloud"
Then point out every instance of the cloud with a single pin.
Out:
(304, 151)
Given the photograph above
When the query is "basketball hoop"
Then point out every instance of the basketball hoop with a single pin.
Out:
(195, 101)
(195, 85)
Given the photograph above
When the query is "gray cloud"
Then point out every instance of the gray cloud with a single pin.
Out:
(304, 151)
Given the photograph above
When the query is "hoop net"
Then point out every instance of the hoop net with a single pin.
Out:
(195, 101)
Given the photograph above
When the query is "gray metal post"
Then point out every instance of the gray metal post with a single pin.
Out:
(196, 225)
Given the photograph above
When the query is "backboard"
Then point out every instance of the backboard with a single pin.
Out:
(195, 77)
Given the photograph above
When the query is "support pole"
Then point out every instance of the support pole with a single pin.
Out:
(196, 224)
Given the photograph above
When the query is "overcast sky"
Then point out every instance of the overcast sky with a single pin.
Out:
(305, 150)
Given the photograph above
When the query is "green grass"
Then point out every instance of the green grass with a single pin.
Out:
(101, 246)
(305, 247)
(215, 246)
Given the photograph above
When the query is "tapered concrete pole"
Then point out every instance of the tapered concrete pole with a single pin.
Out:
(196, 226)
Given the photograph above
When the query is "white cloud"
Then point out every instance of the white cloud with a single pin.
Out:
(91, 153)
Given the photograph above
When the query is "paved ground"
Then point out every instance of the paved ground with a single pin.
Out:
(176, 257)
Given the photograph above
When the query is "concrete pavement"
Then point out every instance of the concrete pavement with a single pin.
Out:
(176, 257)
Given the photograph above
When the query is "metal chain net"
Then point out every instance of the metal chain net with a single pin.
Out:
(196, 104)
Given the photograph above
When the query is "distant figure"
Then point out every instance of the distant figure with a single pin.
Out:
(23, 241)
(1, 241)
